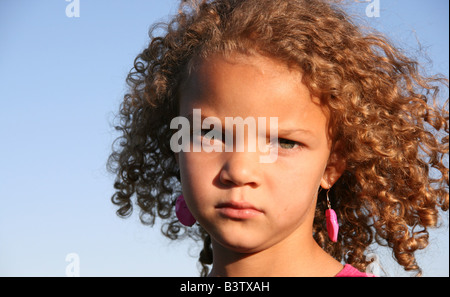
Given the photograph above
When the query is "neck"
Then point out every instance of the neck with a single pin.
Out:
(297, 255)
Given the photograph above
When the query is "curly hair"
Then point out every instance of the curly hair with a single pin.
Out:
(385, 114)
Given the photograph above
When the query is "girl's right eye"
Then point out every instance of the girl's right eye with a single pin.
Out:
(288, 144)
(217, 135)
(203, 132)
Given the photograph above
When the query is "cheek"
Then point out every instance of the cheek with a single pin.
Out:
(197, 173)
(300, 176)
(294, 204)
(294, 185)
(190, 172)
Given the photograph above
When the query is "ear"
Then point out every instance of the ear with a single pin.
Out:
(335, 168)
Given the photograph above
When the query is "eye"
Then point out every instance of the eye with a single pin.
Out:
(216, 134)
(288, 144)
(203, 132)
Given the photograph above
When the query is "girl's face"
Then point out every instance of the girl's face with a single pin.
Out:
(245, 205)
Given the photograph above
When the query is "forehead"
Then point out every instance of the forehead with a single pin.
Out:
(242, 85)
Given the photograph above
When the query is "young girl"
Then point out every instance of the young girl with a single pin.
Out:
(361, 144)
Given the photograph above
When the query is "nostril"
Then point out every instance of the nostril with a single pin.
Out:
(232, 175)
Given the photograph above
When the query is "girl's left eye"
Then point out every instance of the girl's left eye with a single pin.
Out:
(288, 144)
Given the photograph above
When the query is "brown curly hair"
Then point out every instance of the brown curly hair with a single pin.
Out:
(393, 134)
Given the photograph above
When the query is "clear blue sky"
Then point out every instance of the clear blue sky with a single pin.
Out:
(61, 80)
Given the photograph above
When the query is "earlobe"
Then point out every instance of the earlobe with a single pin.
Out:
(335, 168)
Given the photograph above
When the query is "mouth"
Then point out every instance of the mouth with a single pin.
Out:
(238, 210)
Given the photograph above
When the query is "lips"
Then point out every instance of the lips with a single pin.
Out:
(240, 210)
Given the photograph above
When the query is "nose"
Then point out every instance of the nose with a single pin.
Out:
(240, 169)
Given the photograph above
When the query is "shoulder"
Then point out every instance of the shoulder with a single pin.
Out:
(350, 271)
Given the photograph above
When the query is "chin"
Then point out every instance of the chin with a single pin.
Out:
(240, 243)
(240, 236)
(241, 248)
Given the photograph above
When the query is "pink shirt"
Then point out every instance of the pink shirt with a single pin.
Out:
(350, 271)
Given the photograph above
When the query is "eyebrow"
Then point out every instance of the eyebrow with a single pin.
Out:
(285, 131)
(295, 130)
(190, 117)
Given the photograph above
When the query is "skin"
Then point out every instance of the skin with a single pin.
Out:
(278, 241)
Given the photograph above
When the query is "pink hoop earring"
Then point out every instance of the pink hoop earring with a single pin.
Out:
(332, 222)
(183, 214)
